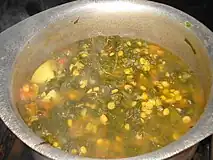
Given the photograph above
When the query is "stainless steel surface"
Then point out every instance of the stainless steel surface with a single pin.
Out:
(143, 19)
(185, 155)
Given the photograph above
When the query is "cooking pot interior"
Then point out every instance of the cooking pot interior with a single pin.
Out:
(147, 25)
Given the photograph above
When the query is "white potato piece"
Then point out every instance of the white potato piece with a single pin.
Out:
(44, 72)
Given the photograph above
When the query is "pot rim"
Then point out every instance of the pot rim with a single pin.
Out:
(200, 131)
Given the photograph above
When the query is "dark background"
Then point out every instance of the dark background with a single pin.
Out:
(13, 11)
(200, 9)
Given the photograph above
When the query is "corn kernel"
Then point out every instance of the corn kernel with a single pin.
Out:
(136, 50)
(158, 102)
(96, 89)
(170, 100)
(111, 54)
(139, 43)
(75, 72)
(83, 112)
(84, 54)
(99, 141)
(148, 111)
(175, 136)
(83, 150)
(143, 88)
(163, 97)
(143, 104)
(103, 119)
(128, 43)
(138, 136)
(79, 65)
(165, 91)
(144, 96)
(166, 112)
(129, 77)
(120, 53)
(172, 90)
(167, 74)
(149, 105)
(127, 87)
(165, 84)
(143, 115)
(74, 151)
(111, 105)
(143, 108)
(142, 61)
(83, 83)
(127, 126)
(186, 119)
(69, 122)
(134, 103)
(178, 97)
(133, 83)
(142, 120)
(176, 92)
(119, 139)
(89, 91)
(172, 94)
(114, 91)
(55, 144)
(128, 71)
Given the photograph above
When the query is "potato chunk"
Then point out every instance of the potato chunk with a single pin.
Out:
(45, 72)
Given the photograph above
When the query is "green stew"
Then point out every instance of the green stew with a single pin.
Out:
(111, 97)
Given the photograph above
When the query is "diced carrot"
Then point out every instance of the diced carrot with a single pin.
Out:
(182, 104)
(28, 92)
(198, 97)
(75, 95)
(46, 105)
(156, 49)
(160, 52)
(26, 88)
(153, 47)
(25, 95)
(31, 109)
(62, 60)
(153, 74)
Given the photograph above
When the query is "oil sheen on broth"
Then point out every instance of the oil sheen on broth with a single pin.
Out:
(111, 97)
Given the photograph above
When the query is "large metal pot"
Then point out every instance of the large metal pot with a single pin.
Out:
(28, 43)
